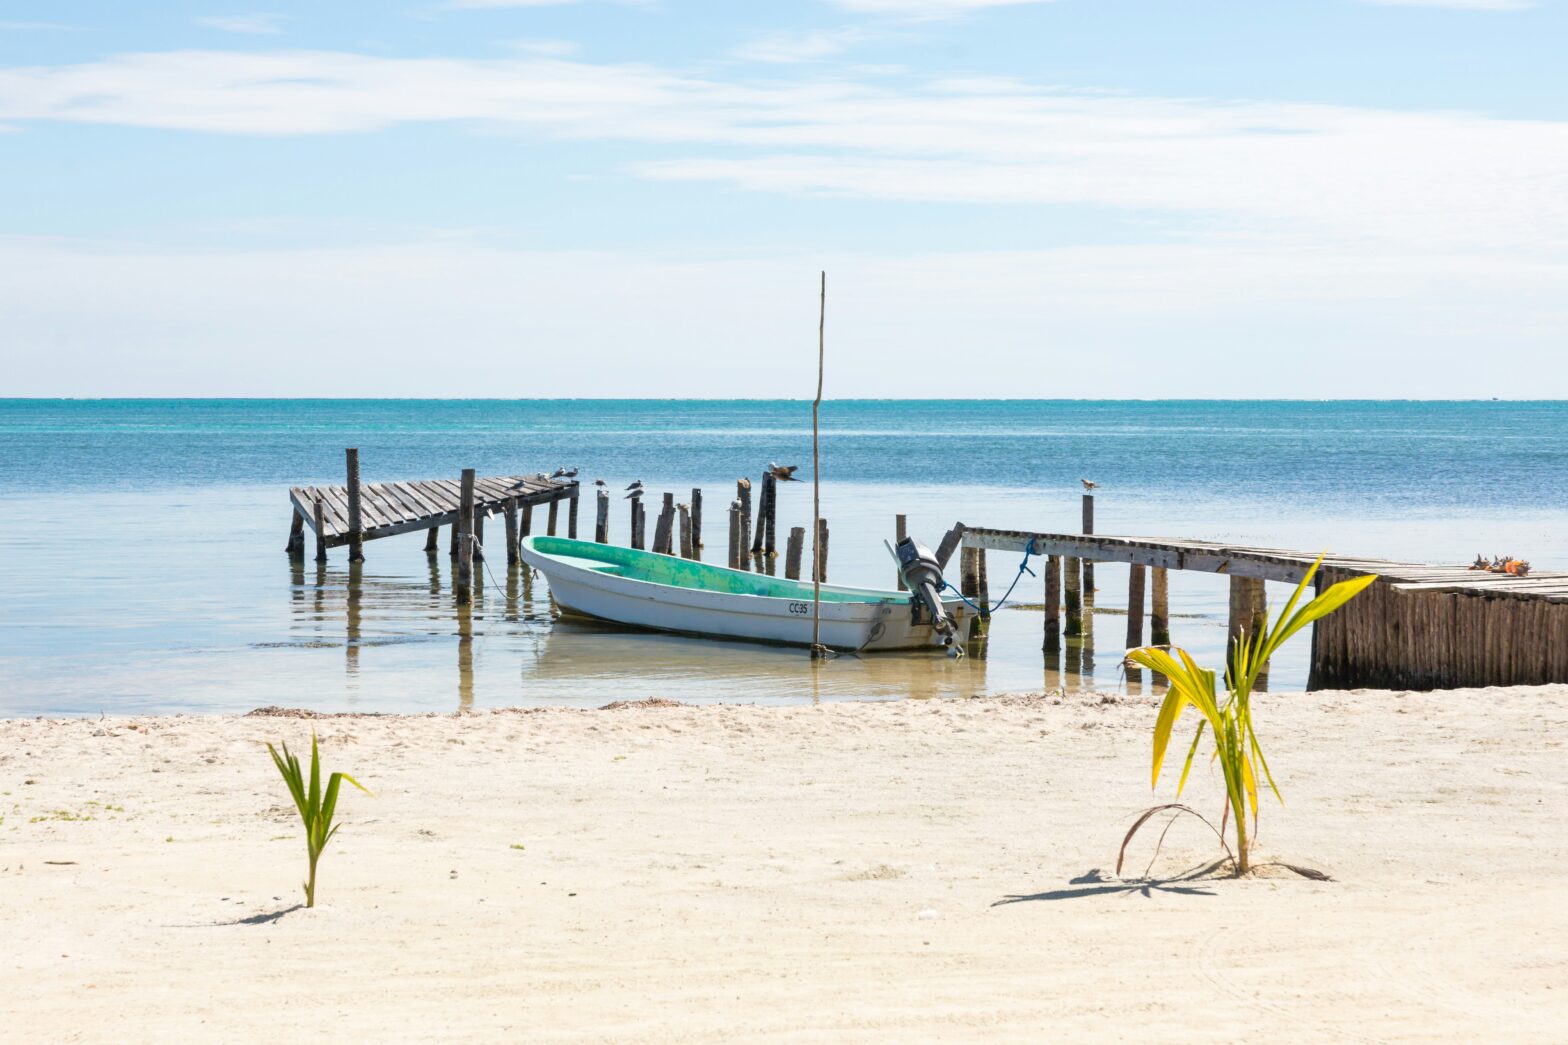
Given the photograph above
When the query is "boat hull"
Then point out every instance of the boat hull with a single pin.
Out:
(773, 610)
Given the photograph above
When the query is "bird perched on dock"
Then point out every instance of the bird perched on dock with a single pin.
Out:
(636, 491)
(1089, 484)
(636, 485)
(598, 482)
(564, 473)
(784, 473)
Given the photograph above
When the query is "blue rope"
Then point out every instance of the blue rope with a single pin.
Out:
(1023, 568)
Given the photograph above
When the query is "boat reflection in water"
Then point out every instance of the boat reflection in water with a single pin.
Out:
(402, 644)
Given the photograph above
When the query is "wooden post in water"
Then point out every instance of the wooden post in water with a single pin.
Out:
(465, 544)
(526, 527)
(1072, 598)
(820, 566)
(571, 511)
(662, 527)
(601, 516)
(432, 540)
(356, 528)
(1160, 611)
(1088, 566)
(455, 542)
(696, 524)
(900, 531)
(1248, 612)
(767, 518)
(792, 550)
(743, 500)
(1135, 588)
(637, 532)
(554, 507)
(1053, 604)
(737, 553)
(969, 584)
(685, 514)
(321, 531)
(479, 536)
(296, 545)
(772, 488)
(511, 531)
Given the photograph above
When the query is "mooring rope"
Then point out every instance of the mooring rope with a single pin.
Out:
(1023, 568)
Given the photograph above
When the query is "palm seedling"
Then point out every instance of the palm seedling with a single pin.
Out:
(315, 806)
(1229, 718)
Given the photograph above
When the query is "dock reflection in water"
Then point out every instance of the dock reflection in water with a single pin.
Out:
(507, 648)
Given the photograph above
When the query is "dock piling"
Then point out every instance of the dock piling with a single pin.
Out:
(601, 516)
(571, 512)
(663, 525)
(296, 545)
(1088, 564)
(465, 544)
(1072, 597)
(479, 536)
(820, 553)
(321, 530)
(900, 531)
(526, 527)
(1248, 612)
(1136, 578)
(432, 540)
(737, 553)
(1053, 604)
(743, 502)
(1160, 611)
(511, 531)
(550, 527)
(696, 523)
(638, 533)
(792, 550)
(356, 525)
(685, 516)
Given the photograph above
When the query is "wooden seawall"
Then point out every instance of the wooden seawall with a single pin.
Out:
(1421, 626)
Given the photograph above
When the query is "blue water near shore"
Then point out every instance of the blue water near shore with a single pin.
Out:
(143, 563)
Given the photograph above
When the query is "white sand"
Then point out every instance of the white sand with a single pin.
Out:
(816, 873)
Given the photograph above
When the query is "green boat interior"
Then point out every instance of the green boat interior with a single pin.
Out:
(686, 573)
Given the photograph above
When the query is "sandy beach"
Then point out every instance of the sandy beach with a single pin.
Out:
(914, 870)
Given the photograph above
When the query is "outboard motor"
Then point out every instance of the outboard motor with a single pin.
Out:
(924, 576)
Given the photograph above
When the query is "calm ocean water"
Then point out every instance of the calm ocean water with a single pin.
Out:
(142, 541)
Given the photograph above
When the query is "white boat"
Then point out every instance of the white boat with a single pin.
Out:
(665, 593)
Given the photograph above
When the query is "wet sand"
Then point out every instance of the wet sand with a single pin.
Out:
(914, 869)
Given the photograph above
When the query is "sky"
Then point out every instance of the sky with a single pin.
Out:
(1010, 198)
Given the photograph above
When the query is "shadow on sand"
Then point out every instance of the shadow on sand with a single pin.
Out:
(1096, 883)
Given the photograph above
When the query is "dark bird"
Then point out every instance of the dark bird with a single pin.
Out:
(783, 472)
(1089, 485)
(598, 482)
(636, 485)
(634, 495)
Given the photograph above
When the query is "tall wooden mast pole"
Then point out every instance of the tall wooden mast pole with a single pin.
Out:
(816, 483)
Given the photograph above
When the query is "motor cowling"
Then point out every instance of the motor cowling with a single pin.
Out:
(923, 575)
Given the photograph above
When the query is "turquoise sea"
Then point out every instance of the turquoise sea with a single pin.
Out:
(142, 565)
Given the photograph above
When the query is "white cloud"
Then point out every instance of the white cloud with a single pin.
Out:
(922, 9)
(1459, 5)
(791, 47)
(261, 23)
(1316, 171)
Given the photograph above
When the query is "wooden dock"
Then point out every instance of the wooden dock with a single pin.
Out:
(1421, 626)
(358, 512)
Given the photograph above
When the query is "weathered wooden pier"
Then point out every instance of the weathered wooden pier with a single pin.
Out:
(1420, 626)
(358, 512)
